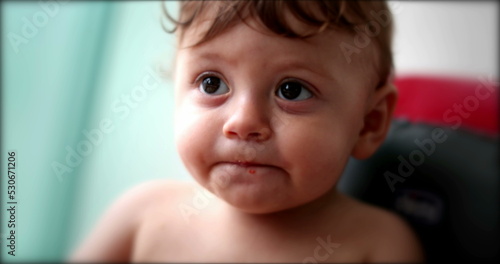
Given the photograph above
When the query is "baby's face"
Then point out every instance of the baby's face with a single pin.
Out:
(266, 122)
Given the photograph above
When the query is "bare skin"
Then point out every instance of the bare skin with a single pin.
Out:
(146, 225)
(272, 161)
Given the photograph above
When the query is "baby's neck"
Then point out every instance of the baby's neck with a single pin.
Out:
(310, 214)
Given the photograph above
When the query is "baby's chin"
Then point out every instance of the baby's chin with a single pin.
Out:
(259, 201)
(245, 202)
(280, 205)
(259, 189)
(251, 190)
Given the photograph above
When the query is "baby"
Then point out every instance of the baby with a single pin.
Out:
(272, 98)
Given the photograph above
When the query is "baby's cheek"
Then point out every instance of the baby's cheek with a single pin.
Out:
(188, 140)
(188, 121)
(319, 156)
(196, 134)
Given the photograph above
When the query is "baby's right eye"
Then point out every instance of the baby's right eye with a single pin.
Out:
(213, 86)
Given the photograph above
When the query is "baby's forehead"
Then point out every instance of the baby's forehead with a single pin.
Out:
(203, 21)
(318, 57)
(322, 51)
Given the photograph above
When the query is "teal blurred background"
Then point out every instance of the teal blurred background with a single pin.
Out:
(87, 102)
(71, 69)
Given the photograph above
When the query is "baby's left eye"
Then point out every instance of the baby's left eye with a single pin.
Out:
(293, 91)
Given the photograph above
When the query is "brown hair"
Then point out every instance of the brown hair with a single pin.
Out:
(351, 16)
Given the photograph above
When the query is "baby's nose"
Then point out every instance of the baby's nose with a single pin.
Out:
(248, 120)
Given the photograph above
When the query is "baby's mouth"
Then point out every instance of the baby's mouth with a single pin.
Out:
(246, 163)
(246, 166)
(241, 168)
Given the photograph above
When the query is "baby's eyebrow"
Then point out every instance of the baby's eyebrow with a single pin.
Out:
(212, 57)
(280, 64)
(299, 65)
(314, 69)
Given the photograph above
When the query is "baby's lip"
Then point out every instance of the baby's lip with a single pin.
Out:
(247, 164)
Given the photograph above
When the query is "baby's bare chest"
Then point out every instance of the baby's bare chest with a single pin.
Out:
(160, 241)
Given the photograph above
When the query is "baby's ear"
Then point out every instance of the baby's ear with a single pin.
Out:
(377, 121)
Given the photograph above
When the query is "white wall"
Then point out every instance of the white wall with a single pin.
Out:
(450, 37)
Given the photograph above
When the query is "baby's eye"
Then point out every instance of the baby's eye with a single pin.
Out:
(293, 91)
(213, 85)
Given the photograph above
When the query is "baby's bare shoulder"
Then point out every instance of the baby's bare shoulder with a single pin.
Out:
(112, 237)
(147, 195)
(158, 191)
(156, 202)
(388, 237)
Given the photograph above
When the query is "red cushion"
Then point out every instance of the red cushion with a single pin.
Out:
(453, 102)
